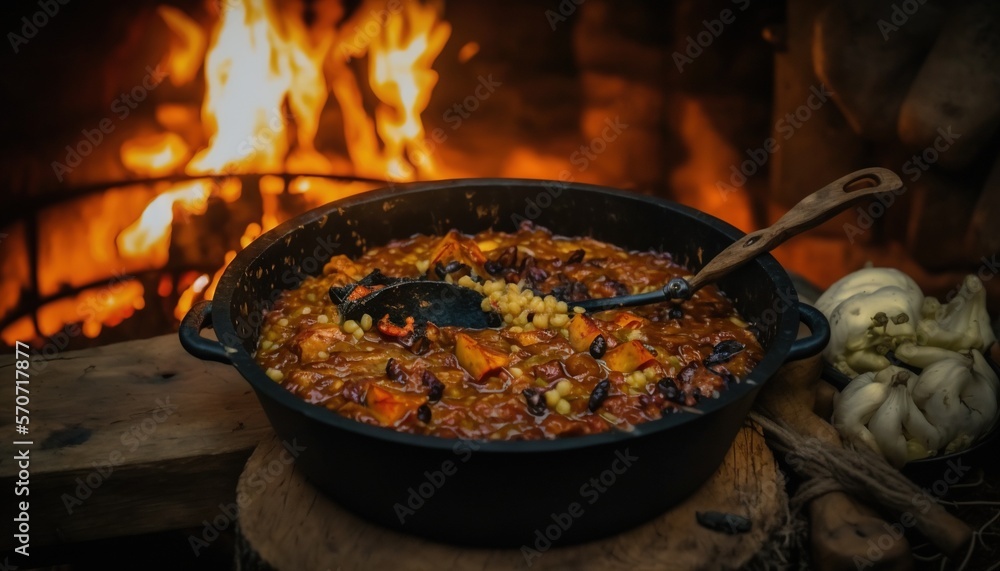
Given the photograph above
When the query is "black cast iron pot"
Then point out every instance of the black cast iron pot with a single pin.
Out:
(491, 493)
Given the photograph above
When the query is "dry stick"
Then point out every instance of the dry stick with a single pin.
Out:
(863, 474)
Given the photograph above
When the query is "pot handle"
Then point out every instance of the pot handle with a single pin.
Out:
(818, 337)
(199, 317)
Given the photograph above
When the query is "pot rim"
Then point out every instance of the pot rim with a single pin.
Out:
(243, 361)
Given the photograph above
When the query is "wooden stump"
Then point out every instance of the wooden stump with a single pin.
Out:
(286, 524)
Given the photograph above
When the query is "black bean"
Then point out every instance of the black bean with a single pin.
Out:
(668, 388)
(424, 413)
(576, 257)
(537, 275)
(493, 267)
(508, 259)
(618, 287)
(439, 270)
(599, 395)
(687, 373)
(729, 524)
(570, 290)
(724, 351)
(417, 344)
(395, 371)
(436, 387)
(676, 313)
(598, 346)
(535, 400)
(454, 266)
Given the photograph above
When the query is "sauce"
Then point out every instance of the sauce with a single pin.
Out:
(547, 372)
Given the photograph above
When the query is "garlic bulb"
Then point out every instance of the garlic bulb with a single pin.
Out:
(877, 411)
(870, 311)
(868, 280)
(956, 392)
(961, 324)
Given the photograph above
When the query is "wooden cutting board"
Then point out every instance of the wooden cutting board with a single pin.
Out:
(288, 525)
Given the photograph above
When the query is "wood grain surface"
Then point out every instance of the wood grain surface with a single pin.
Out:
(129, 438)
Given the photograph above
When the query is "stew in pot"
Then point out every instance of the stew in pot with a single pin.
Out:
(549, 371)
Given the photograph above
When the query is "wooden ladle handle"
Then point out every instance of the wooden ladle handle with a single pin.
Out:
(811, 211)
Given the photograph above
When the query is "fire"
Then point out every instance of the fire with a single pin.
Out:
(154, 155)
(258, 63)
(403, 80)
(269, 73)
(149, 236)
(187, 47)
(268, 77)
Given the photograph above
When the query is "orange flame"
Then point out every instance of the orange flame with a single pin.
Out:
(402, 78)
(187, 47)
(265, 93)
(149, 236)
(154, 155)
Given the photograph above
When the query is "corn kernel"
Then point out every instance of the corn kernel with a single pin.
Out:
(283, 322)
(423, 265)
(322, 318)
(564, 387)
(515, 372)
(366, 322)
(265, 344)
(578, 309)
(563, 407)
(559, 321)
(552, 398)
(306, 310)
(322, 355)
(275, 375)
(541, 321)
(358, 333)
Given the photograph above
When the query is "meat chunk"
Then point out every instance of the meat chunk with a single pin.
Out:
(313, 343)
